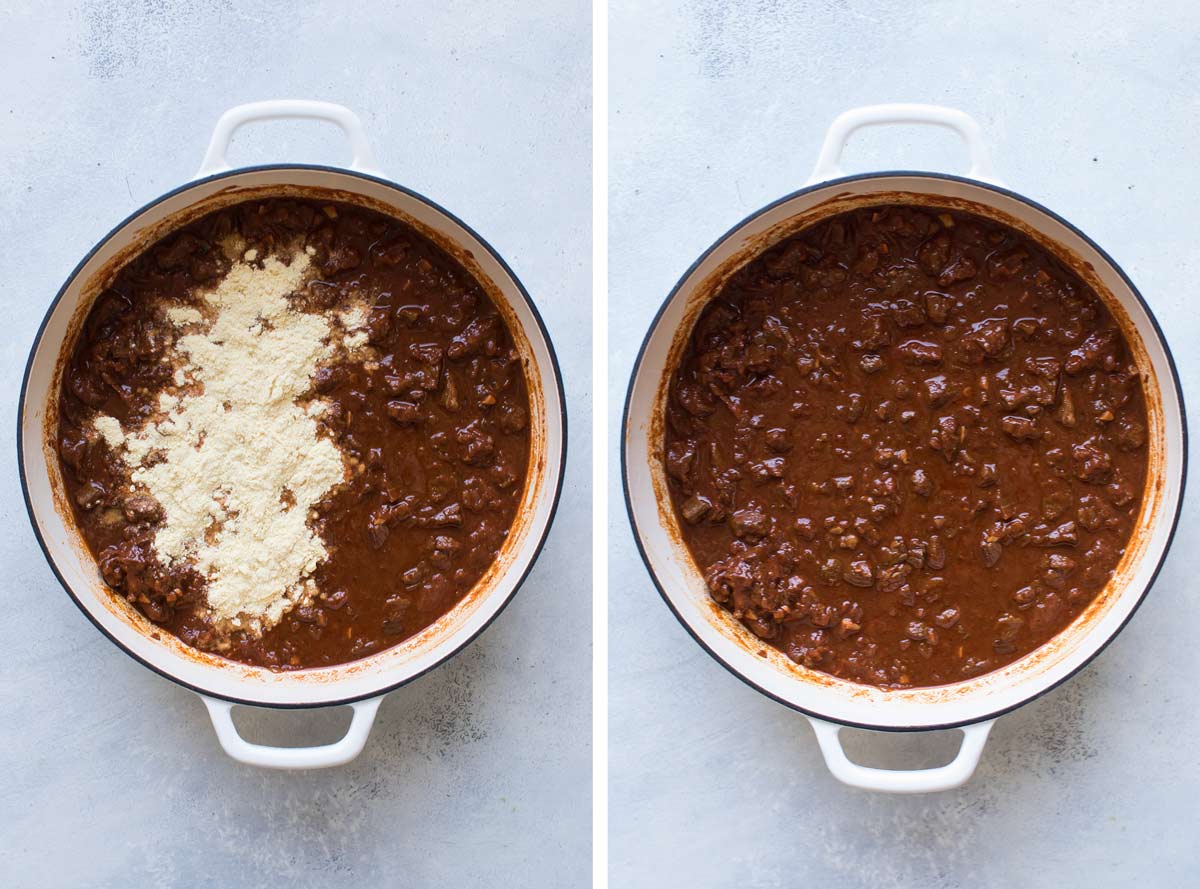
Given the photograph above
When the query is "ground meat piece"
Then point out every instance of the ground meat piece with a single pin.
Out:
(694, 400)
(891, 578)
(1008, 626)
(1021, 428)
(830, 571)
(1047, 367)
(921, 482)
(860, 574)
(90, 495)
(379, 326)
(340, 259)
(1066, 410)
(1095, 513)
(1131, 435)
(1120, 493)
(1092, 463)
(778, 440)
(512, 418)
(327, 378)
(88, 388)
(72, 448)
(1056, 569)
(985, 339)
(1003, 266)
(749, 523)
(478, 447)
(404, 412)
(936, 553)
(989, 475)
(1098, 350)
(871, 363)
(448, 517)
(938, 306)
(729, 578)
(947, 618)
(695, 508)
(874, 335)
(848, 628)
(991, 550)
(473, 338)
(1046, 613)
(934, 254)
(962, 269)
(681, 458)
(946, 437)
(141, 508)
(939, 391)
(907, 313)
(920, 353)
(1063, 535)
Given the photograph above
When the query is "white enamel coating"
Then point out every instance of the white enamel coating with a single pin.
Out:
(336, 754)
(219, 680)
(953, 774)
(215, 161)
(829, 161)
(833, 700)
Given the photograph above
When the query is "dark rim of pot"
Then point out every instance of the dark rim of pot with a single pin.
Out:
(378, 180)
(637, 367)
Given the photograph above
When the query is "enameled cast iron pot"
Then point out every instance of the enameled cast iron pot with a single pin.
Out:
(831, 703)
(222, 683)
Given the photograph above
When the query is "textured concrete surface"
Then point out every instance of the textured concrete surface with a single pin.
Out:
(719, 108)
(475, 775)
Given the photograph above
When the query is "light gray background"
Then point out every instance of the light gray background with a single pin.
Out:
(475, 775)
(718, 108)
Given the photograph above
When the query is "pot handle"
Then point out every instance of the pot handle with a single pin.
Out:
(215, 161)
(954, 774)
(829, 161)
(335, 754)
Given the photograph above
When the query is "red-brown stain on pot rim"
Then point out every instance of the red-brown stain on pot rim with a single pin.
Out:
(697, 297)
(446, 626)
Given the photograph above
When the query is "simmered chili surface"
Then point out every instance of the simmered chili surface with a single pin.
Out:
(906, 447)
(433, 425)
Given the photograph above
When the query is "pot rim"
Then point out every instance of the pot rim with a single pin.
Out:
(860, 177)
(458, 645)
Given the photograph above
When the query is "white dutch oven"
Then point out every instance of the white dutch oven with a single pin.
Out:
(221, 683)
(831, 703)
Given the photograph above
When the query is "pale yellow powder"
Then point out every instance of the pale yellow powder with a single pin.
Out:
(110, 430)
(180, 315)
(354, 320)
(222, 458)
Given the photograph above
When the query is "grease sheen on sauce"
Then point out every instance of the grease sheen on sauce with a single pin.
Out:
(906, 447)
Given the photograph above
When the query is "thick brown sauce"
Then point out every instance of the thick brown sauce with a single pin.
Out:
(434, 427)
(906, 448)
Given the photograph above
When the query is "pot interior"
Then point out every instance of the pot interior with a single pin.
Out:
(163, 652)
(817, 693)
